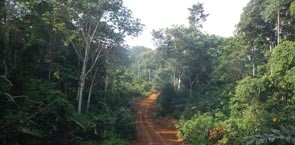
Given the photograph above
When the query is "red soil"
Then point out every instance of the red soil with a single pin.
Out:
(152, 131)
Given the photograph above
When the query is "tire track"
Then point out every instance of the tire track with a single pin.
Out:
(144, 130)
(150, 132)
(148, 116)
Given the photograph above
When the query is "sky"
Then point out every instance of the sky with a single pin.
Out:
(157, 14)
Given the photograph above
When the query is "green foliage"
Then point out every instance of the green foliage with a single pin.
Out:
(166, 99)
(171, 101)
(206, 100)
(204, 78)
(5, 91)
(162, 77)
(41, 55)
(283, 58)
(37, 121)
(252, 88)
(197, 15)
(292, 9)
(264, 102)
(40, 91)
(232, 63)
(138, 87)
(115, 141)
(144, 65)
(125, 124)
(111, 124)
(283, 135)
(196, 129)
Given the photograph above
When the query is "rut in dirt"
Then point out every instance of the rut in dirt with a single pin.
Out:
(150, 131)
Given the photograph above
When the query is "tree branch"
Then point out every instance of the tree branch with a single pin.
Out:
(76, 50)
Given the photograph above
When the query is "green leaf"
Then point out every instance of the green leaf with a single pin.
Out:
(276, 131)
(78, 123)
(8, 96)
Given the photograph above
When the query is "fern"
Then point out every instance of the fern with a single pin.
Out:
(283, 135)
(31, 136)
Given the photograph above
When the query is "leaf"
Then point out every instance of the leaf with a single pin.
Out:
(78, 123)
(271, 138)
(31, 136)
(31, 131)
(276, 131)
(6, 80)
(8, 96)
(251, 142)
(292, 128)
(260, 141)
(285, 131)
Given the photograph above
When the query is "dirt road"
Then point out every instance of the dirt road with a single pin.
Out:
(152, 131)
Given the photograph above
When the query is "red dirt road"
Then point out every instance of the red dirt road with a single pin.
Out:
(150, 131)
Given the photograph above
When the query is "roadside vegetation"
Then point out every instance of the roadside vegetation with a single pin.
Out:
(237, 90)
(67, 78)
(63, 76)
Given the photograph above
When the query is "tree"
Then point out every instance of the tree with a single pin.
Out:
(197, 15)
(265, 102)
(101, 26)
(263, 32)
(259, 35)
(43, 47)
(280, 13)
(188, 52)
(232, 61)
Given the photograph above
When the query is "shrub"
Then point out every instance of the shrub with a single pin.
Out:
(196, 129)
(115, 141)
(283, 135)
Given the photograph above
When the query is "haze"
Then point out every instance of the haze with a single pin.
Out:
(156, 14)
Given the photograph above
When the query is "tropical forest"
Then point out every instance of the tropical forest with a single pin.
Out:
(67, 76)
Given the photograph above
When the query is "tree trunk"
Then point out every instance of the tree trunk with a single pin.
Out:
(253, 69)
(89, 96)
(278, 27)
(174, 80)
(271, 46)
(90, 90)
(178, 83)
(5, 69)
(82, 78)
(191, 89)
(149, 75)
(50, 54)
(138, 70)
(7, 6)
(106, 83)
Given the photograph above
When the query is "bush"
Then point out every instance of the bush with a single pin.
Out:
(196, 129)
(283, 135)
(125, 124)
(171, 101)
(166, 99)
(115, 141)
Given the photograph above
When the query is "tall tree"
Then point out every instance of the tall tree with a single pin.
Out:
(259, 35)
(197, 15)
(280, 13)
(102, 26)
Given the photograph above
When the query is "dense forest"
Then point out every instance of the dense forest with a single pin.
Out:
(63, 72)
(68, 78)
